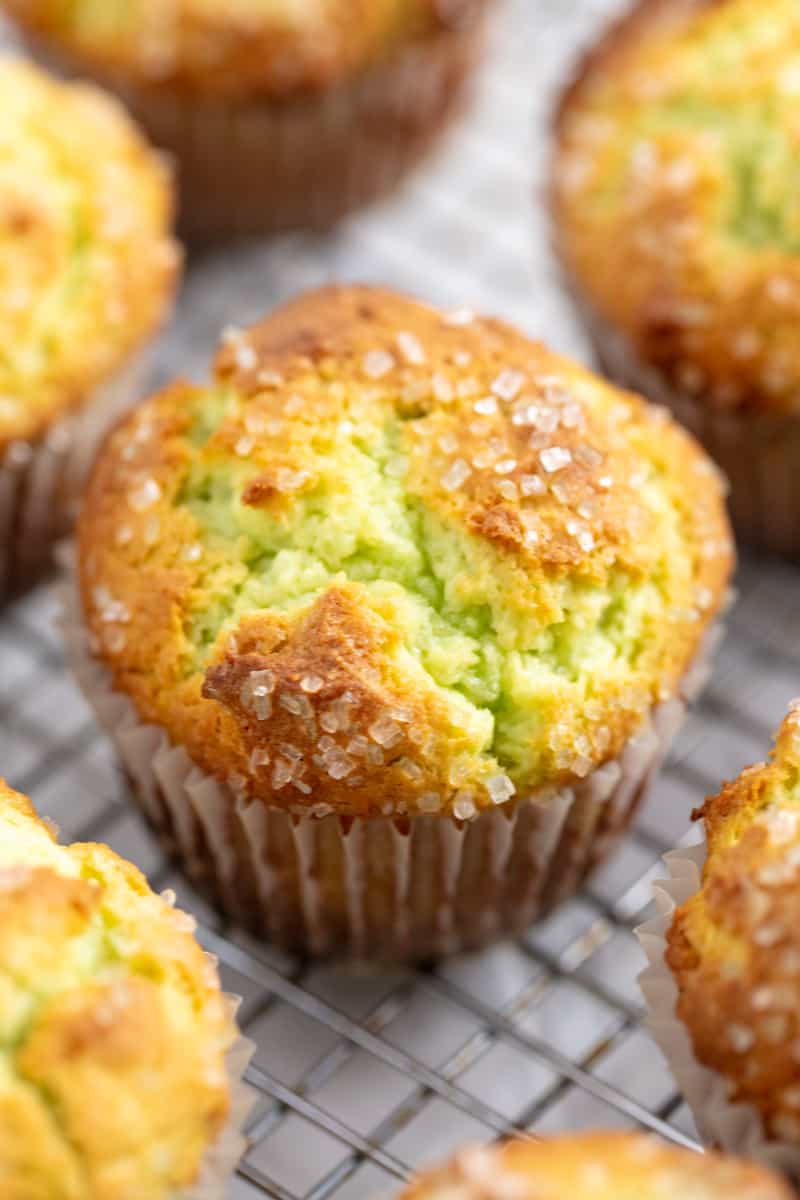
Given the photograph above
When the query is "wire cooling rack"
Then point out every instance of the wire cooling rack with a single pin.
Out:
(362, 1077)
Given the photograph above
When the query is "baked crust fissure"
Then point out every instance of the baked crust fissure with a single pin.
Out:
(393, 561)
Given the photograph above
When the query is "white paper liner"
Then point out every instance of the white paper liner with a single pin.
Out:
(376, 888)
(251, 167)
(41, 480)
(758, 453)
(721, 1123)
(222, 1159)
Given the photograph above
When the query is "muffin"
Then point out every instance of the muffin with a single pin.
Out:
(283, 115)
(674, 202)
(724, 985)
(595, 1166)
(87, 271)
(114, 1030)
(391, 619)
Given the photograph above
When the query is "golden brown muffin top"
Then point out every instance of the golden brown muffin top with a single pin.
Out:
(113, 1028)
(237, 48)
(595, 1166)
(394, 560)
(734, 948)
(87, 265)
(675, 192)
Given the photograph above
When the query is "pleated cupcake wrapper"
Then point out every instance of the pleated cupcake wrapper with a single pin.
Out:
(253, 167)
(376, 888)
(41, 480)
(720, 1122)
(221, 1160)
(759, 454)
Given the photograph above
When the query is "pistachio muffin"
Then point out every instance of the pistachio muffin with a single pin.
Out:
(87, 271)
(419, 596)
(732, 953)
(595, 1166)
(285, 114)
(114, 1030)
(674, 201)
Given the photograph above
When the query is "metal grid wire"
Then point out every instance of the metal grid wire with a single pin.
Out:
(362, 1077)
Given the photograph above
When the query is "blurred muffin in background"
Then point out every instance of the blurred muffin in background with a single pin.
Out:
(393, 618)
(282, 115)
(595, 1166)
(117, 1079)
(675, 191)
(87, 274)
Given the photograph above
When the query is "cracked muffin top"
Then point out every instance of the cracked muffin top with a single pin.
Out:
(675, 191)
(595, 1166)
(391, 560)
(87, 264)
(734, 948)
(236, 48)
(114, 1030)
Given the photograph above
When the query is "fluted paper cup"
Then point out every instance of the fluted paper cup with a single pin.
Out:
(41, 479)
(393, 889)
(249, 167)
(223, 1157)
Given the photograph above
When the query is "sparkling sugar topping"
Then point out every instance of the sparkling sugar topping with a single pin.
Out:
(300, 736)
(295, 553)
(481, 1171)
(525, 442)
(144, 495)
(378, 363)
(411, 349)
(555, 458)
